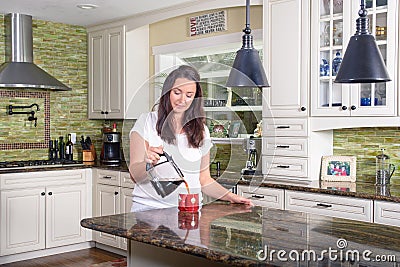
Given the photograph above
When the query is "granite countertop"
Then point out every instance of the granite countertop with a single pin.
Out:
(241, 236)
(357, 189)
(82, 165)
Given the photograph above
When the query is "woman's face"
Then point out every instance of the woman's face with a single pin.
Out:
(182, 94)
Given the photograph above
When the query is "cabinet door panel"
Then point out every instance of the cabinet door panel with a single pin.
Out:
(285, 127)
(387, 213)
(22, 221)
(265, 197)
(126, 205)
(96, 75)
(115, 76)
(287, 47)
(107, 177)
(285, 166)
(107, 203)
(285, 146)
(65, 208)
(335, 206)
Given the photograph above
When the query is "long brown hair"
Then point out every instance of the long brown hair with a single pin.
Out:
(193, 118)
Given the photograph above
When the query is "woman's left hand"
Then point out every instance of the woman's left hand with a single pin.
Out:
(234, 198)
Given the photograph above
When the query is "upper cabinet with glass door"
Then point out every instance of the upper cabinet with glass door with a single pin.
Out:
(333, 23)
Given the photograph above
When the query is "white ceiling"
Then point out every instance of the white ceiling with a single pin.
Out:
(65, 11)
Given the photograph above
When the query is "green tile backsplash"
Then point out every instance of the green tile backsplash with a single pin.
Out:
(365, 144)
(61, 50)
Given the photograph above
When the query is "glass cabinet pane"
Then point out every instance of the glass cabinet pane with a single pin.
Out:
(381, 26)
(325, 34)
(375, 94)
(337, 6)
(330, 54)
(325, 7)
(338, 32)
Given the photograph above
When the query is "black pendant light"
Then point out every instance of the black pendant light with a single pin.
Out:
(247, 69)
(362, 62)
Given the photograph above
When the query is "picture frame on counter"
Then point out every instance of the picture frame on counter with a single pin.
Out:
(338, 168)
(234, 128)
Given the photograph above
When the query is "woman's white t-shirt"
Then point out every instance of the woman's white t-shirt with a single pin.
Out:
(187, 158)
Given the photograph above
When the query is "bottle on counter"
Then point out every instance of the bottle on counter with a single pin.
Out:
(61, 144)
(69, 147)
(114, 128)
(56, 149)
(51, 150)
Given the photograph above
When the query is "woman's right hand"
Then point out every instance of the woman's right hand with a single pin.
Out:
(153, 154)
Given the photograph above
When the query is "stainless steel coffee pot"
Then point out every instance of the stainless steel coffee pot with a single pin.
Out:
(165, 176)
(384, 169)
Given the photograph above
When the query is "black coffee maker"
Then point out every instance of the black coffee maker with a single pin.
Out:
(111, 150)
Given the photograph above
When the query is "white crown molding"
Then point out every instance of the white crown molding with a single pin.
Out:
(166, 13)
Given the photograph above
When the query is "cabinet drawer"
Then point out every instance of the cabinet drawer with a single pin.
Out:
(387, 213)
(265, 197)
(282, 166)
(335, 206)
(285, 146)
(285, 127)
(107, 177)
(126, 180)
(23, 180)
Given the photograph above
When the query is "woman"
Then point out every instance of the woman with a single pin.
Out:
(177, 128)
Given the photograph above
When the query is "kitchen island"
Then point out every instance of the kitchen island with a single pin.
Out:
(234, 235)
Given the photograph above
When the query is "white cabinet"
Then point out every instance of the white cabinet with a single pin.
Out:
(106, 73)
(263, 196)
(107, 203)
(17, 208)
(287, 57)
(43, 209)
(118, 72)
(113, 196)
(331, 28)
(65, 208)
(387, 212)
(291, 152)
(328, 205)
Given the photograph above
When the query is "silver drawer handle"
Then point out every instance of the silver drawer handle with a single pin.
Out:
(283, 166)
(280, 146)
(107, 177)
(324, 205)
(283, 127)
(257, 196)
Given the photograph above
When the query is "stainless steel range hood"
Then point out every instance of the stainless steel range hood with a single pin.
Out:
(19, 71)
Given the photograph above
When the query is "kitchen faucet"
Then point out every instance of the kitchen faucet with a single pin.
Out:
(11, 107)
(31, 113)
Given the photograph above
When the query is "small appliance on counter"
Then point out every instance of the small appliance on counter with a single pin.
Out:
(384, 169)
(111, 149)
(252, 146)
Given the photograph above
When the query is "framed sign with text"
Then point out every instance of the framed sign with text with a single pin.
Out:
(207, 23)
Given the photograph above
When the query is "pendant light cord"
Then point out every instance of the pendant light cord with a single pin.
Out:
(247, 30)
(362, 23)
